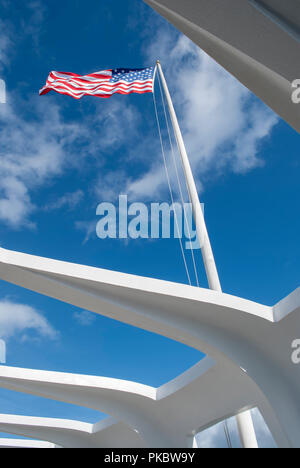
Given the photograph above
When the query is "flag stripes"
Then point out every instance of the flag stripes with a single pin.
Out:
(101, 84)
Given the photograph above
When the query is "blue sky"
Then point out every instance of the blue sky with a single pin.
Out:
(60, 158)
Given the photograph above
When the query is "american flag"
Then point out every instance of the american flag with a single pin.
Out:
(101, 84)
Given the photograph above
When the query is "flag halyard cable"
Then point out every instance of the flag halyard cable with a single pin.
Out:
(179, 183)
(202, 233)
(170, 187)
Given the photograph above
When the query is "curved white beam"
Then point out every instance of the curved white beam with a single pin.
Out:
(72, 434)
(235, 332)
(165, 417)
(22, 443)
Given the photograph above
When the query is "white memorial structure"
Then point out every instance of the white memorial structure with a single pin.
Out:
(248, 346)
(248, 361)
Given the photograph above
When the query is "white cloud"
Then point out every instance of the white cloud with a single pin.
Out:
(117, 123)
(29, 24)
(84, 318)
(32, 152)
(68, 201)
(213, 437)
(223, 125)
(107, 186)
(18, 319)
(32, 26)
(37, 144)
(5, 44)
(263, 434)
(88, 227)
(223, 128)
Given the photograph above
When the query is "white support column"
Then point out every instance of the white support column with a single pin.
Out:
(195, 443)
(248, 436)
(245, 424)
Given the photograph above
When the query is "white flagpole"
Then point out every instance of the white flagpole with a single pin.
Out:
(245, 423)
(207, 253)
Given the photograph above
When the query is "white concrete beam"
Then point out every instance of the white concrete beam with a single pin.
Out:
(165, 417)
(71, 434)
(22, 443)
(238, 334)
